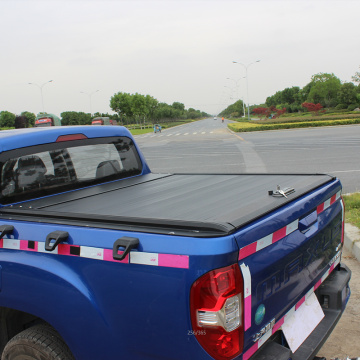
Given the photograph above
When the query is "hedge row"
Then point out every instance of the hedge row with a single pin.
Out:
(310, 118)
(244, 127)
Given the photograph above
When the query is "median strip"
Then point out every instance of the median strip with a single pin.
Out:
(246, 127)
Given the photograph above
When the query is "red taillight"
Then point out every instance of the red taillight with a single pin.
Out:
(71, 137)
(216, 302)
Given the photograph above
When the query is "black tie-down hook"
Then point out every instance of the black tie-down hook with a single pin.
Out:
(54, 239)
(5, 230)
(126, 242)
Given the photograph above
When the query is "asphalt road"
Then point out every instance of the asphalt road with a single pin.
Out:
(207, 146)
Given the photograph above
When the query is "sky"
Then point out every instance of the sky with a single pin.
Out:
(173, 50)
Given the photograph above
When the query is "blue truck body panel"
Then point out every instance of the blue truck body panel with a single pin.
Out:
(101, 291)
(140, 307)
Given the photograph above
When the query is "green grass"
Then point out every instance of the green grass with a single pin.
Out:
(165, 125)
(352, 209)
(141, 131)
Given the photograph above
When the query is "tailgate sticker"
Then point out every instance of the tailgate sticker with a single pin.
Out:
(268, 240)
(328, 202)
(167, 260)
(283, 232)
(259, 342)
(247, 295)
(142, 258)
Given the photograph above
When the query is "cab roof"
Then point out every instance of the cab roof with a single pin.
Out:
(19, 138)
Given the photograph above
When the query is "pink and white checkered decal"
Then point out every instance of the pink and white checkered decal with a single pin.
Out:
(141, 258)
(281, 233)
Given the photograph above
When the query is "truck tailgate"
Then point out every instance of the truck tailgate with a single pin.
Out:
(285, 257)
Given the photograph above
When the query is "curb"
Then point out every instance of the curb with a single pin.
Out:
(352, 240)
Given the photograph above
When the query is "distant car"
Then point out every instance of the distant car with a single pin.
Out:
(215, 118)
(157, 128)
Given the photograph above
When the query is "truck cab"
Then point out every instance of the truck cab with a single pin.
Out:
(44, 120)
(103, 121)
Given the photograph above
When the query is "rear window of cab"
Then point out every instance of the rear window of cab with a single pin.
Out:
(37, 171)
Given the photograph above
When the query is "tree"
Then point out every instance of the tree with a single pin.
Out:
(314, 108)
(178, 106)
(121, 103)
(133, 106)
(151, 104)
(324, 90)
(7, 119)
(163, 111)
(356, 77)
(289, 95)
(30, 117)
(261, 111)
(236, 107)
(138, 106)
(75, 118)
(270, 112)
(347, 94)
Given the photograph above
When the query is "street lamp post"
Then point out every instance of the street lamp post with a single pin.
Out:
(238, 91)
(89, 94)
(247, 81)
(41, 93)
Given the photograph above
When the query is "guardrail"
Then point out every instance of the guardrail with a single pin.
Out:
(142, 126)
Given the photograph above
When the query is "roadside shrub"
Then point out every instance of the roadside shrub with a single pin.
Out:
(352, 107)
(341, 107)
(338, 115)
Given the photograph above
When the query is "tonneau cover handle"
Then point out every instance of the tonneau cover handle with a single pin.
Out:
(128, 243)
(5, 230)
(57, 236)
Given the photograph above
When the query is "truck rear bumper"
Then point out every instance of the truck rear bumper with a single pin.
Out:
(333, 295)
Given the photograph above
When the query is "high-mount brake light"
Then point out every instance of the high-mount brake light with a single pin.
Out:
(216, 303)
(71, 137)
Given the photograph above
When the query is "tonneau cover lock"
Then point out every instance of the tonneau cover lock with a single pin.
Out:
(281, 192)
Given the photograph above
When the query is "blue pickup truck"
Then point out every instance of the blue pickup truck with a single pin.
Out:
(102, 259)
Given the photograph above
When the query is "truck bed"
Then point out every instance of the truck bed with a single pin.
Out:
(187, 204)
